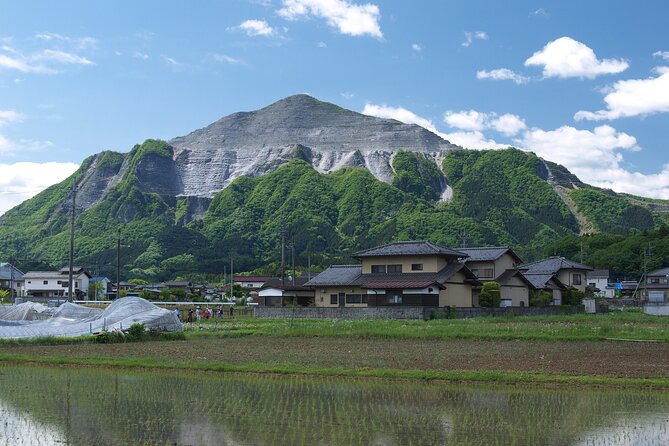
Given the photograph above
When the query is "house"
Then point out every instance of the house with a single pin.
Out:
(657, 286)
(102, 291)
(278, 293)
(252, 283)
(10, 278)
(412, 273)
(598, 281)
(498, 264)
(555, 274)
(50, 284)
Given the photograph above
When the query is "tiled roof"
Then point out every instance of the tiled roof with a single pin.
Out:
(252, 278)
(552, 265)
(541, 281)
(509, 274)
(598, 274)
(400, 284)
(409, 248)
(287, 285)
(337, 275)
(47, 275)
(488, 254)
(6, 272)
(659, 272)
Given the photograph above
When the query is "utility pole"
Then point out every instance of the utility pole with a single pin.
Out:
(232, 278)
(118, 263)
(463, 237)
(74, 201)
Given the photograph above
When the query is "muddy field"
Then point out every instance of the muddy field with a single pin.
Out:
(603, 358)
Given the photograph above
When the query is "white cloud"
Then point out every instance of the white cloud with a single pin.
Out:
(140, 55)
(347, 95)
(174, 64)
(10, 116)
(635, 97)
(502, 74)
(471, 36)
(466, 120)
(541, 12)
(347, 17)
(256, 28)
(223, 58)
(566, 57)
(322, 45)
(80, 43)
(40, 61)
(508, 124)
(417, 48)
(21, 181)
(663, 54)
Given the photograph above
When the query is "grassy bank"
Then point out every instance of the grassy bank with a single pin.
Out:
(579, 327)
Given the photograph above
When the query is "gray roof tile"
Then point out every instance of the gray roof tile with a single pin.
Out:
(488, 254)
(409, 248)
(552, 265)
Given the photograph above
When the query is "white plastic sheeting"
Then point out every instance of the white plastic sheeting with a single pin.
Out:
(31, 320)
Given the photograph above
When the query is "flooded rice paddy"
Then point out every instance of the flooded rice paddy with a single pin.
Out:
(89, 406)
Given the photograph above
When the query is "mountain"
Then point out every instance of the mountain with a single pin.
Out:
(333, 180)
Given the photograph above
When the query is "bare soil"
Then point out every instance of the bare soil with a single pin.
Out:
(605, 358)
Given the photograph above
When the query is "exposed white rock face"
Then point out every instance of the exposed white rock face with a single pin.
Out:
(255, 143)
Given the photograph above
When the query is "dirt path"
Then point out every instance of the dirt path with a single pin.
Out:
(622, 359)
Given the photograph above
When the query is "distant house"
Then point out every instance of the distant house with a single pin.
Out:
(657, 286)
(52, 284)
(598, 282)
(412, 273)
(252, 283)
(555, 274)
(277, 293)
(105, 286)
(498, 264)
(10, 277)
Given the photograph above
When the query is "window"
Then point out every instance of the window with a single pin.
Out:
(249, 285)
(476, 272)
(45, 282)
(487, 273)
(376, 269)
(394, 299)
(416, 267)
(654, 280)
(333, 299)
(394, 268)
(576, 279)
(356, 299)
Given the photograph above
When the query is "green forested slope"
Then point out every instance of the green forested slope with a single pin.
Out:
(498, 198)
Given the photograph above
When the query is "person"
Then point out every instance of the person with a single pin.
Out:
(220, 311)
(178, 313)
(232, 311)
(190, 315)
(198, 313)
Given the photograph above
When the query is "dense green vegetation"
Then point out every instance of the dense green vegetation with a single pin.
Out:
(497, 198)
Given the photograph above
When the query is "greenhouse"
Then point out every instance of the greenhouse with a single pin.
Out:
(31, 320)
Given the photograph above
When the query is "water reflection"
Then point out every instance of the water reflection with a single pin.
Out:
(43, 406)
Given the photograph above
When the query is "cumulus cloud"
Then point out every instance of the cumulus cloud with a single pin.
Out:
(471, 36)
(224, 58)
(662, 54)
(21, 181)
(140, 55)
(257, 28)
(502, 74)
(472, 120)
(566, 57)
(10, 116)
(635, 97)
(347, 17)
(508, 124)
(417, 48)
(400, 114)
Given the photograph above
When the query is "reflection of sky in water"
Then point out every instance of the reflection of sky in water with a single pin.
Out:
(628, 429)
(18, 429)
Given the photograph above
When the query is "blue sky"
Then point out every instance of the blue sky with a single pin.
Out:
(585, 84)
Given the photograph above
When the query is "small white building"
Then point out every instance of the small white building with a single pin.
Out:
(50, 284)
(105, 288)
(599, 279)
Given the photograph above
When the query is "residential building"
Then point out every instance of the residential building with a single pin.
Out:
(104, 287)
(10, 278)
(498, 264)
(251, 282)
(657, 286)
(412, 273)
(50, 284)
(555, 274)
(598, 281)
(278, 293)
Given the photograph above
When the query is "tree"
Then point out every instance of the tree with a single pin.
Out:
(572, 296)
(490, 295)
(4, 294)
(95, 290)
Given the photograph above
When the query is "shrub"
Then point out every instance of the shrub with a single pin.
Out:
(490, 296)
(540, 298)
(136, 332)
(572, 296)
